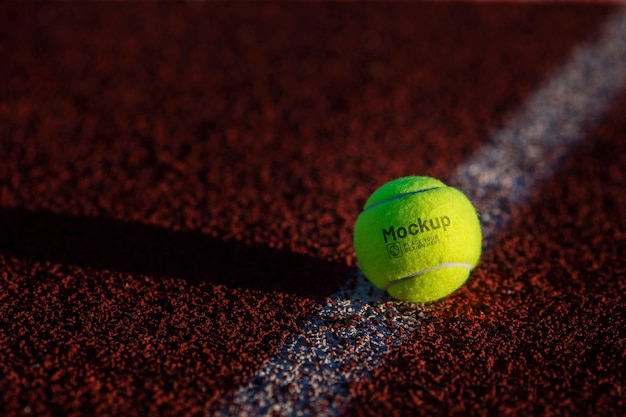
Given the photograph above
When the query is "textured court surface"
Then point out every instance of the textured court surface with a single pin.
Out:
(179, 184)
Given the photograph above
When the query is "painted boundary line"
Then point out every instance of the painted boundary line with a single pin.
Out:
(351, 334)
(558, 116)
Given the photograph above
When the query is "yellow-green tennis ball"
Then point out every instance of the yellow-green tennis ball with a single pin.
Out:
(417, 238)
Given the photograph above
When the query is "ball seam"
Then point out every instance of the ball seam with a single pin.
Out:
(399, 196)
(426, 270)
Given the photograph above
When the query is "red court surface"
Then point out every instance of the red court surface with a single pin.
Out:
(179, 185)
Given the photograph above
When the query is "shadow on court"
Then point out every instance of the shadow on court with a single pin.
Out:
(136, 248)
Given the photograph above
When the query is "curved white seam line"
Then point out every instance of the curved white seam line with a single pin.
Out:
(395, 197)
(434, 268)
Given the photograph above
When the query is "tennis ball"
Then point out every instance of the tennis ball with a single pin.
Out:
(417, 238)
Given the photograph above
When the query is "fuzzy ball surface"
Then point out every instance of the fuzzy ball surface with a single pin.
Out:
(418, 239)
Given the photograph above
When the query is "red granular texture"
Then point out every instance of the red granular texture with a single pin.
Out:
(260, 124)
(179, 182)
(79, 341)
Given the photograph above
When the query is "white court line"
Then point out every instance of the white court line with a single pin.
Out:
(351, 334)
(558, 116)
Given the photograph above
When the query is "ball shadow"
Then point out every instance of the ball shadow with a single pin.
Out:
(136, 248)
